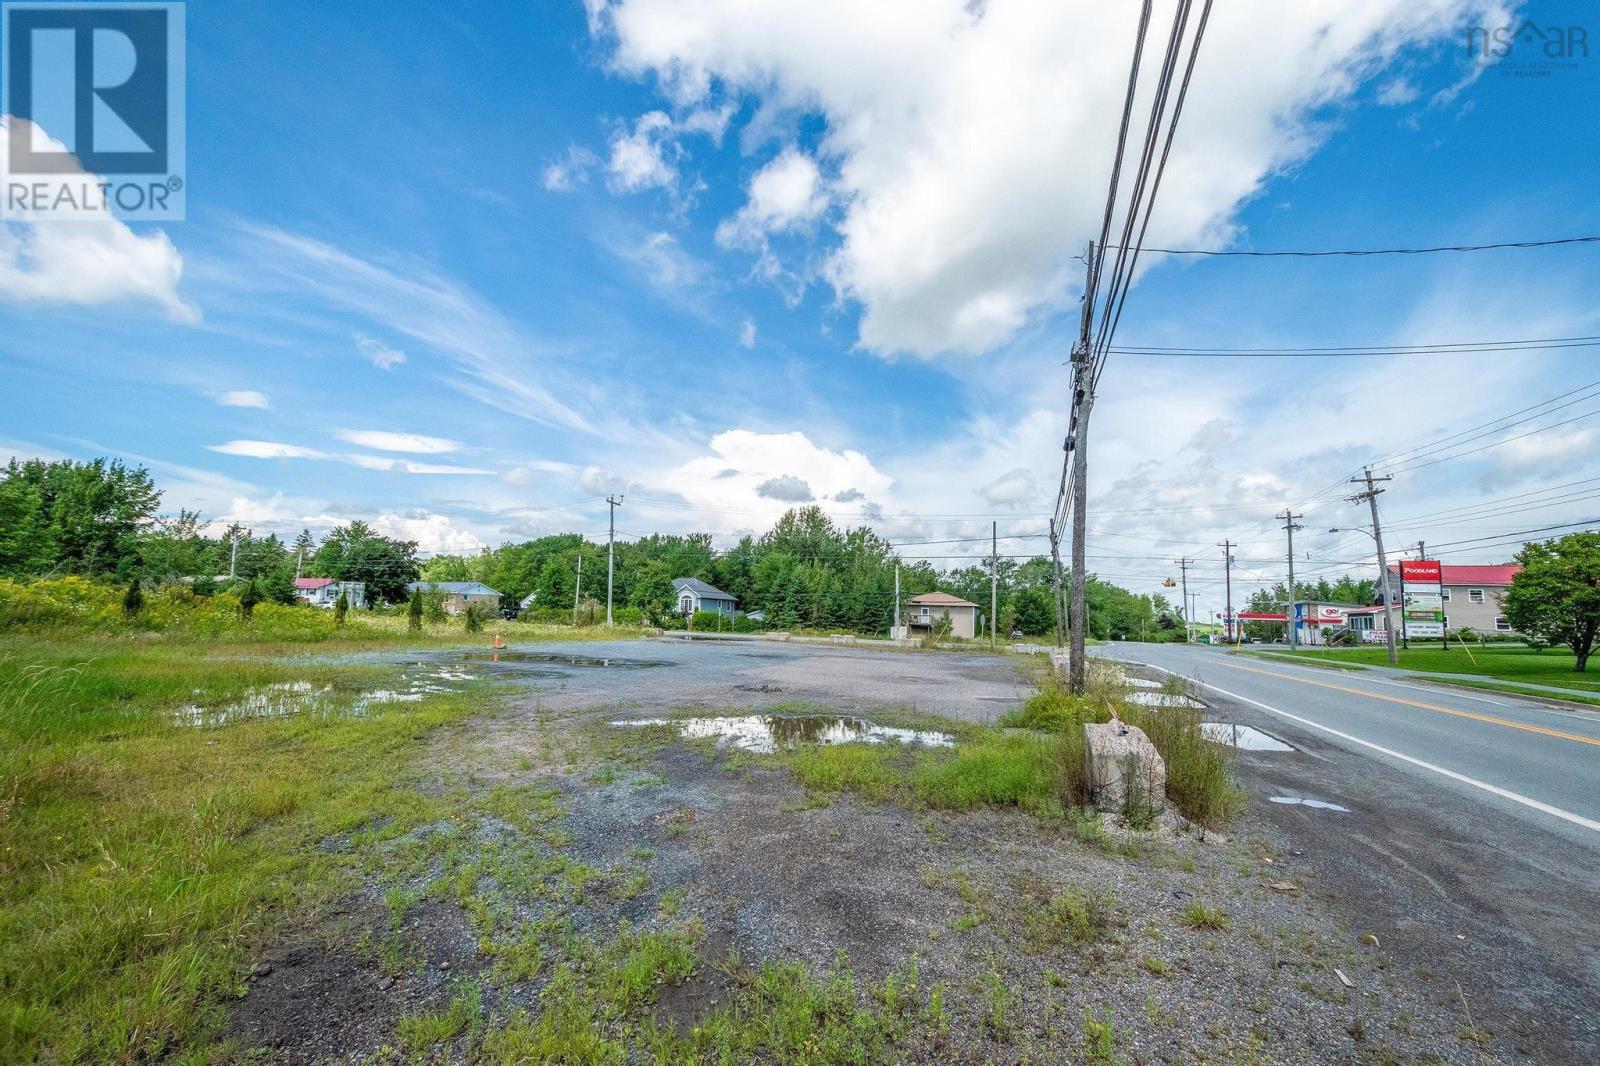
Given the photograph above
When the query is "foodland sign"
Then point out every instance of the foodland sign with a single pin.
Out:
(1422, 601)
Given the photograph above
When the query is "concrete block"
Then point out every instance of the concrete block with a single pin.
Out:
(1120, 757)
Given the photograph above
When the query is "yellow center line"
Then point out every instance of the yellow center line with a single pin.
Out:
(1417, 703)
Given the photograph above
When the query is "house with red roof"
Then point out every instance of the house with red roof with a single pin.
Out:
(1471, 594)
(324, 591)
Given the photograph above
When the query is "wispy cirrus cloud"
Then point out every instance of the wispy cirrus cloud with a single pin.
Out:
(268, 449)
(495, 361)
(386, 441)
(244, 398)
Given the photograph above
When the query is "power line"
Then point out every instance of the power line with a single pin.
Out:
(1392, 350)
(1320, 253)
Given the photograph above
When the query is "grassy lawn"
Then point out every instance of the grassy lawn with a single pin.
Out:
(1551, 666)
(142, 860)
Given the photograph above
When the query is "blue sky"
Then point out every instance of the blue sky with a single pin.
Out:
(465, 274)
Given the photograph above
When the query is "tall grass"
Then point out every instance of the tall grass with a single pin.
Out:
(141, 861)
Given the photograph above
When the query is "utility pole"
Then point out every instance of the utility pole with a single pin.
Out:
(1188, 629)
(577, 593)
(233, 559)
(1055, 581)
(994, 579)
(1289, 623)
(299, 558)
(1077, 443)
(1371, 497)
(896, 632)
(611, 552)
(1227, 571)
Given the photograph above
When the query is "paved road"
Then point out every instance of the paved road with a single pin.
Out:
(1471, 843)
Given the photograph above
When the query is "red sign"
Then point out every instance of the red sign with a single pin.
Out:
(1421, 572)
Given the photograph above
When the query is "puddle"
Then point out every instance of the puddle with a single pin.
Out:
(766, 733)
(1242, 736)
(1141, 682)
(284, 699)
(1307, 801)
(1161, 699)
(552, 658)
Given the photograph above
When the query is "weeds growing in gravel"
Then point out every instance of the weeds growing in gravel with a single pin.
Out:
(1198, 916)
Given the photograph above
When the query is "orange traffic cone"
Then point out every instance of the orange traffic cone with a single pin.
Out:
(498, 642)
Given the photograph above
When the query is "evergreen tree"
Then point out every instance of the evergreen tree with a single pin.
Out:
(133, 599)
(414, 610)
(341, 607)
(249, 596)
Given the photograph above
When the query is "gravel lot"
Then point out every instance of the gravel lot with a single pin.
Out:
(773, 874)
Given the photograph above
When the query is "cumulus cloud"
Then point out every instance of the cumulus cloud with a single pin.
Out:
(601, 481)
(787, 488)
(962, 199)
(244, 398)
(98, 261)
(1011, 488)
(378, 353)
(386, 441)
(785, 195)
(746, 478)
(645, 156)
(434, 533)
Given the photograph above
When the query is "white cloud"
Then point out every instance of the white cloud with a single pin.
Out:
(244, 398)
(97, 261)
(496, 363)
(385, 441)
(266, 449)
(747, 334)
(1011, 488)
(378, 353)
(1397, 92)
(644, 157)
(785, 195)
(664, 261)
(601, 481)
(729, 480)
(432, 532)
(963, 199)
(407, 466)
(571, 170)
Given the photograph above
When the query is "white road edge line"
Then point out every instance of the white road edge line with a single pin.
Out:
(1503, 793)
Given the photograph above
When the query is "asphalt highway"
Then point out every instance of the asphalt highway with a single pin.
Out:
(1464, 827)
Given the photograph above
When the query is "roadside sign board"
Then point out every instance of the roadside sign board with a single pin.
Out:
(1423, 604)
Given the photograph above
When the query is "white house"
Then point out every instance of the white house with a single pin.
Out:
(695, 595)
(928, 608)
(324, 591)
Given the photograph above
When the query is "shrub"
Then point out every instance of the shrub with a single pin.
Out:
(473, 617)
(249, 596)
(1199, 773)
(414, 611)
(341, 607)
(710, 621)
(133, 599)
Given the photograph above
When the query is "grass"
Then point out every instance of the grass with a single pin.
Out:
(1501, 662)
(142, 862)
(1509, 689)
(1198, 916)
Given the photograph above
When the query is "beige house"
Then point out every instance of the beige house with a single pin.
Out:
(925, 610)
(1471, 595)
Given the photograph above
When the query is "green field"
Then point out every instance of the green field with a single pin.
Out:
(1550, 666)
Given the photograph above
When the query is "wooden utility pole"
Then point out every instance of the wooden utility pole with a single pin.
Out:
(1371, 497)
(1289, 625)
(611, 552)
(1227, 572)
(1055, 581)
(1077, 443)
(1188, 628)
(994, 579)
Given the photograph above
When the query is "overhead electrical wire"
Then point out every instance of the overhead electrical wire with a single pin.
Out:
(1243, 253)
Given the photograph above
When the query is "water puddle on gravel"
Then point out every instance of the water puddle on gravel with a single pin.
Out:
(1307, 801)
(1161, 699)
(1242, 736)
(766, 733)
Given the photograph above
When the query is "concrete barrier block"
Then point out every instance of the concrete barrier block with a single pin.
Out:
(1122, 760)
